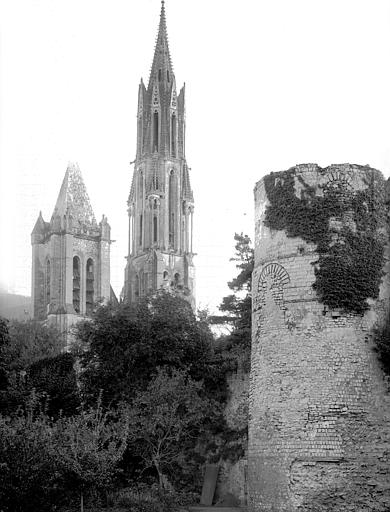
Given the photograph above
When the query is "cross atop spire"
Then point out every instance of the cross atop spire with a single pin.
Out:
(162, 69)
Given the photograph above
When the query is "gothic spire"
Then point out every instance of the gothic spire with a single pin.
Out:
(162, 69)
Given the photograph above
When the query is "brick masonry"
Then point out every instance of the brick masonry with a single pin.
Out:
(319, 410)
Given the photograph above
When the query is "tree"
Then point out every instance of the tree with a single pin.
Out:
(126, 345)
(56, 377)
(238, 306)
(4, 340)
(28, 342)
(90, 446)
(29, 477)
(28, 348)
(164, 418)
(43, 461)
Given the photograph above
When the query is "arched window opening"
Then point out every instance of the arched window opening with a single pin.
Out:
(140, 230)
(186, 272)
(155, 228)
(172, 229)
(136, 287)
(47, 283)
(172, 207)
(155, 131)
(176, 282)
(140, 187)
(140, 133)
(165, 275)
(141, 283)
(89, 288)
(173, 134)
(168, 75)
(159, 75)
(76, 284)
(154, 272)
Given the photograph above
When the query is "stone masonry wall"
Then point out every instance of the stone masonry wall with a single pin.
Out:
(319, 411)
(232, 476)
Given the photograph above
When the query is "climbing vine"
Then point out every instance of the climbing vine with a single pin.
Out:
(344, 224)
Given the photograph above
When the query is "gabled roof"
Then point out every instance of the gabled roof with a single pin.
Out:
(73, 198)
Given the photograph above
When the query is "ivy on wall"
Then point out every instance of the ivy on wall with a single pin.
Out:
(344, 224)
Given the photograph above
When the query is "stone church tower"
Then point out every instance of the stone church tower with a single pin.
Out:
(161, 203)
(70, 257)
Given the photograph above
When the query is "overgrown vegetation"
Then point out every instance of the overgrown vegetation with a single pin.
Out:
(233, 350)
(45, 462)
(345, 227)
(135, 420)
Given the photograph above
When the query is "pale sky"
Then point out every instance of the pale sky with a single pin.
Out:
(269, 84)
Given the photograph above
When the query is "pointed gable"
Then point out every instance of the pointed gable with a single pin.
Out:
(73, 199)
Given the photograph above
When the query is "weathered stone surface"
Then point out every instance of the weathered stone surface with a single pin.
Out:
(319, 437)
(62, 293)
(161, 202)
(232, 476)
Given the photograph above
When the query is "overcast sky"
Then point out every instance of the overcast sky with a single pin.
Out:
(269, 84)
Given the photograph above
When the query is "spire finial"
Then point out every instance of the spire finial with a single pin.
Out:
(161, 66)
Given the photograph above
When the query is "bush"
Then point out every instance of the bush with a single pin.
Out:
(30, 479)
(150, 498)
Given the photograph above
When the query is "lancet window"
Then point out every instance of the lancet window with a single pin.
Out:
(155, 130)
(172, 207)
(173, 134)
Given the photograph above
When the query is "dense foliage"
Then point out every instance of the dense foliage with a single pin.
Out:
(43, 462)
(160, 384)
(30, 359)
(351, 257)
(4, 340)
(127, 344)
(165, 421)
(28, 342)
(56, 378)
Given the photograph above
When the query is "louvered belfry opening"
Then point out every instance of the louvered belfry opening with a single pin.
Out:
(89, 294)
(47, 282)
(76, 284)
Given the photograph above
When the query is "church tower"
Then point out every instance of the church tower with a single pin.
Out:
(161, 203)
(70, 257)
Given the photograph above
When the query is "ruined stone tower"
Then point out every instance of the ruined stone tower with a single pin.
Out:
(70, 257)
(319, 412)
(161, 203)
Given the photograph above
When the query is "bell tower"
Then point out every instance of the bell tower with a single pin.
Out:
(70, 258)
(160, 203)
